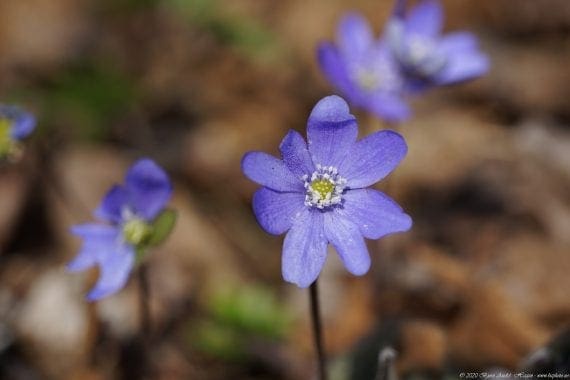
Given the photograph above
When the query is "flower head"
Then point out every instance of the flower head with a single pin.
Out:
(426, 57)
(363, 70)
(15, 125)
(132, 218)
(318, 193)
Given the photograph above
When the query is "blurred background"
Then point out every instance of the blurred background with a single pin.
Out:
(479, 284)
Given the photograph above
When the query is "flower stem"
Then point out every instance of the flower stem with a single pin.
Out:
(144, 298)
(145, 369)
(317, 329)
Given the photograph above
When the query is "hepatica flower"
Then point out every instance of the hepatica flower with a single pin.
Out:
(425, 55)
(133, 219)
(363, 70)
(318, 193)
(15, 125)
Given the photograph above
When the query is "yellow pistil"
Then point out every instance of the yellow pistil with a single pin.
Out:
(136, 232)
(323, 186)
(367, 80)
(7, 144)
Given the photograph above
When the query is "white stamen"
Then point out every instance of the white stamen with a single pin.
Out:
(329, 176)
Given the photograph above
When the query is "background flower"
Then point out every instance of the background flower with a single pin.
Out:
(426, 57)
(130, 212)
(363, 70)
(15, 125)
(319, 193)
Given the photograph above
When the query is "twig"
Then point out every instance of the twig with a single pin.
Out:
(386, 370)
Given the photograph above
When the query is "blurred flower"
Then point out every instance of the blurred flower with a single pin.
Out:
(425, 56)
(135, 219)
(319, 193)
(363, 70)
(15, 125)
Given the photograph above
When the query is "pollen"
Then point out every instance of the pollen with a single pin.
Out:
(324, 188)
(8, 146)
(367, 80)
(136, 231)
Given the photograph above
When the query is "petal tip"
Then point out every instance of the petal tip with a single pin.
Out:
(397, 139)
(289, 138)
(352, 18)
(407, 223)
(145, 169)
(95, 295)
(247, 164)
(360, 270)
(72, 267)
(299, 282)
(324, 50)
(331, 108)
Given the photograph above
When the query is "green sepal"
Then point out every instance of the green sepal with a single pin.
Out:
(157, 233)
(162, 227)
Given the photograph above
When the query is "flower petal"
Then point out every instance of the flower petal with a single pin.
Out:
(23, 125)
(332, 65)
(275, 211)
(354, 35)
(270, 172)
(113, 203)
(461, 67)
(348, 242)
(304, 249)
(98, 238)
(426, 18)
(88, 255)
(86, 258)
(374, 213)
(389, 107)
(331, 131)
(296, 155)
(373, 158)
(335, 69)
(94, 230)
(149, 188)
(114, 272)
(457, 42)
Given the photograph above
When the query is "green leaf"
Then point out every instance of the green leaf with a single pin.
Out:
(251, 309)
(218, 340)
(162, 227)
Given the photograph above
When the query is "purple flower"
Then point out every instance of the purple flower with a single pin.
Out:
(15, 125)
(129, 214)
(425, 56)
(319, 193)
(363, 70)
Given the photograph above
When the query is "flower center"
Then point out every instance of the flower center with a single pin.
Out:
(136, 231)
(367, 80)
(7, 143)
(324, 188)
(421, 55)
(375, 74)
(419, 49)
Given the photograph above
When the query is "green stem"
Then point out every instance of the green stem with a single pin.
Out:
(144, 307)
(317, 330)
